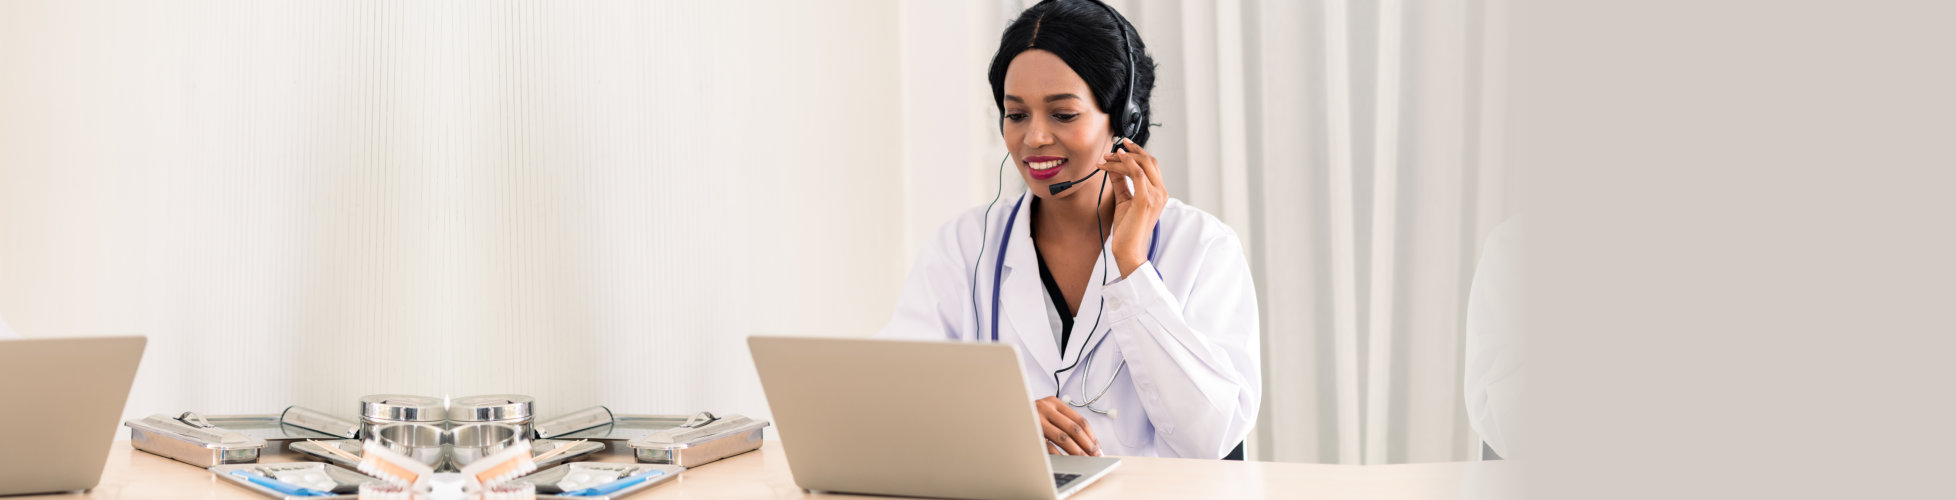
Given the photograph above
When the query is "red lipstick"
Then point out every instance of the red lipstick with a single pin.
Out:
(1046, 173)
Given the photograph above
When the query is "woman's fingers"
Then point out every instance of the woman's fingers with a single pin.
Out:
(1135, 166)
(1122, 163)
(1147, 163)
(1053, 450)
(1076, 426)
(1131, 166)
(1060, 438)
(1125, 165)
(1065, 428)
(1118, 183)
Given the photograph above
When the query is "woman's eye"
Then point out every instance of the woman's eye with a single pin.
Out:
(1015, 117)
(1066, 117)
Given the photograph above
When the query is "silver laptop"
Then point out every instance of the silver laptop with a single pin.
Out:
(933, 419)
(64, 398)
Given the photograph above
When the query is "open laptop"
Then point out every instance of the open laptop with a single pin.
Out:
(64, 398)
(933, 419)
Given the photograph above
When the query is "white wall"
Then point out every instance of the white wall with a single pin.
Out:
(592, 202)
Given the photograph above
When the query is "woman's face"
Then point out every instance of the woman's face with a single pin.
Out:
(1052, 125)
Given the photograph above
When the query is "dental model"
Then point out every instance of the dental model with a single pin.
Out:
(378, 461)
(384, 491)
(511, 463)
(510, 491)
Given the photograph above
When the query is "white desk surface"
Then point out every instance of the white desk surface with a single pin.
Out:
(763, 473)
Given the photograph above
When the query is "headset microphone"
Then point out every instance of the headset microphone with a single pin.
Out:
(1055, 188)
(1062, 185)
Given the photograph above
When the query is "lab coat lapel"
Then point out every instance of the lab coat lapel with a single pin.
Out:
(1023, 293)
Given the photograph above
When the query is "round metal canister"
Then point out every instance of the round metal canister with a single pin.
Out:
(471, 442)
(383, 409)
(512, 409)
(422, 442)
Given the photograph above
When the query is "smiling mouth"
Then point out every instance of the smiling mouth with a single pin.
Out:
(1044, 162)
(1044, 167)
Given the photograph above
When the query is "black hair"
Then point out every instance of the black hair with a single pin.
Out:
(1088, 37)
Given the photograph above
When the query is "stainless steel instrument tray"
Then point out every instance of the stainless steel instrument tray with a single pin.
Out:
(199, 445)
(737, 435)
(537, 447)
(578, 475)
(346, 483)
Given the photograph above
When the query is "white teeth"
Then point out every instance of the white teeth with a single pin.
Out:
(1043, 165)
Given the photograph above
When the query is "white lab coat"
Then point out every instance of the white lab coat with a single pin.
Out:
(1191, 387)
(1495, 370)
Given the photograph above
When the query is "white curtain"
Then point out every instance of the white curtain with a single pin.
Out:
(1354, 139)
(1354, 147)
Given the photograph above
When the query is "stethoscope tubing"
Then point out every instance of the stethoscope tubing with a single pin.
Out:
(998, 273)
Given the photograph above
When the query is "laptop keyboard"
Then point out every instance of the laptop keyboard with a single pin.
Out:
(1061, 479)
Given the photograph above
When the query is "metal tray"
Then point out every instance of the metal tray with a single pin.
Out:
(346, 483)
(202, 446)
(537, 447)
(721, 444)
(577, 475)
(626, 427)
(267, 427)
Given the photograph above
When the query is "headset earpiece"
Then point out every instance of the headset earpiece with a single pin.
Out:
(1129, 120)
(1130, 124)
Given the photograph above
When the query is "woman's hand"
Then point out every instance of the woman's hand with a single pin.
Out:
(1066, 431)
(1134, 214)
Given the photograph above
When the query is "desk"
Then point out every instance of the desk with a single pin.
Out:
(764, 473)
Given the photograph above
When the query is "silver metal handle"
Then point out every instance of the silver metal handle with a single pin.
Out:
(194, 420)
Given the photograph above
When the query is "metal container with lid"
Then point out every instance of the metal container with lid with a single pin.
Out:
(512, 409)
(383, 409)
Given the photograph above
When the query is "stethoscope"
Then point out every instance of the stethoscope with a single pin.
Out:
(1086, 356)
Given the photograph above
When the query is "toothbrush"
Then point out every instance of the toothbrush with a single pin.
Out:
(280, 486)
(612, 487)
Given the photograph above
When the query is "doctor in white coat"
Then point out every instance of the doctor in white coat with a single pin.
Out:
(1134, 314)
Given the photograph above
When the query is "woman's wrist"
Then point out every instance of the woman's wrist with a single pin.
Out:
(1129, 261)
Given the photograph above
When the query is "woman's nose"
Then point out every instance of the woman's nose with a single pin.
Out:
(1036, 136)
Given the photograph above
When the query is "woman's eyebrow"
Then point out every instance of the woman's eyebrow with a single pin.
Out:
(1050, 98)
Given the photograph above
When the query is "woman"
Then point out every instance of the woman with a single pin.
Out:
(1133, 313)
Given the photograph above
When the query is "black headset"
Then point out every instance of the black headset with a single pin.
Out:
(1128, 121)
